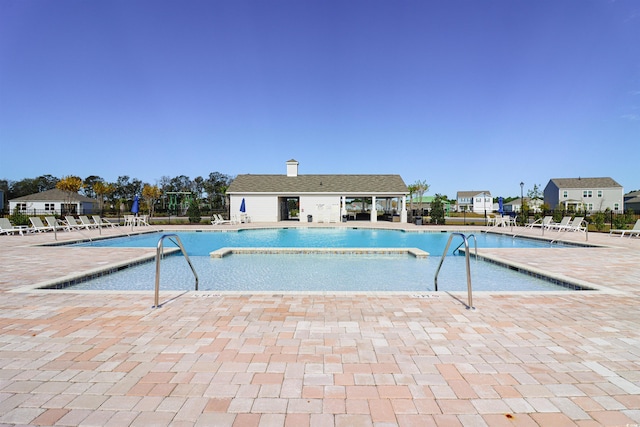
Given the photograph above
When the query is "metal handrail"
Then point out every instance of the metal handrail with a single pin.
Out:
(159, 253)
(466, 255)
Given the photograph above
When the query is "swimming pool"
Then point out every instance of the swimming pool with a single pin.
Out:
(203, 243)
(317, 272)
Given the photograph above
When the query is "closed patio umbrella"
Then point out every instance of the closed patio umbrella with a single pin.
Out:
(136, 205)
(243, 208)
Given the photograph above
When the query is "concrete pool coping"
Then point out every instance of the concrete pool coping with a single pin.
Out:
(307, 360)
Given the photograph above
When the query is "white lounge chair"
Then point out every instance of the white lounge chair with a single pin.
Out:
(57, 224)
(8, 228)
(635, 230)
(217, 219)
(87, 222)
(38, 226)
(559, 225)
(73, 223)
(102, 222)
(541, 222)
(575, 225)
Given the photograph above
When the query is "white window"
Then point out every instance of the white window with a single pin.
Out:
(565, 194)
(21, 206)
(49, 206)
(589, 206)
(599, 193)
(587, 193)
(616, 207)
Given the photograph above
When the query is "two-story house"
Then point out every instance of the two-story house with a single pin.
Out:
(590, 194)
(474, 201)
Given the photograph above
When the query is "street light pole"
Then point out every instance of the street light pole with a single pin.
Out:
(522, 201)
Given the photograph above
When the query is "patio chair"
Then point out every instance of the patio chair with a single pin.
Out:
(84, 220)
(73, 223)
(559, 225)
(38, 226)
(541, 222)
(217, 219)
(57, 224)
(142, 220)
(103, 222)
(635, 230)
(575, 225)
(8, 228)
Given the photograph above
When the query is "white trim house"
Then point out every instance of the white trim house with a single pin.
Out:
(53, 202)
(474, 201)
(318, 198)
(590, 194)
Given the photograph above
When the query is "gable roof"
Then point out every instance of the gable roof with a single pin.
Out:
(460, 194)
(54, 195)
(338, 184)
(605, 182)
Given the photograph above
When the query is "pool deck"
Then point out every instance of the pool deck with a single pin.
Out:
(321, 359)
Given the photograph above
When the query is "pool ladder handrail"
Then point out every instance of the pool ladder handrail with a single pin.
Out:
(159, 255)
(465, 242)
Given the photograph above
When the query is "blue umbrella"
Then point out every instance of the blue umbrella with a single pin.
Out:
(500, 210)
(242, 206)
(136, 205)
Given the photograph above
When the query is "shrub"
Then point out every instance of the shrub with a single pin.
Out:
(598, 220)
(193, 212)
(437, 210)
(19, 218)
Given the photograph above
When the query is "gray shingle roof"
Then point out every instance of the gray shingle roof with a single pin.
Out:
(471, 193)
(605, 182)
(54, 195)
(340, 184)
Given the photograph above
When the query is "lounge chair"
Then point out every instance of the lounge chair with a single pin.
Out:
(57, 223)
(73, 223)
(87, 222)
(575, 225)
(7, 227)
(101, 222)
(541, 222)
(559, 225)
(635, 230)
(38, 226)
(217, 219)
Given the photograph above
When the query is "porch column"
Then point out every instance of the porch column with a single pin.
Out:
(374, 211)
(403, 212)
(343, 206)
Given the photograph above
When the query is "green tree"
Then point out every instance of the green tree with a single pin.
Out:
(437, 210)
(151, 193)
(193, 212)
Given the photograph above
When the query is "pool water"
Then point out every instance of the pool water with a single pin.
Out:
(203, 243)
(318, 272)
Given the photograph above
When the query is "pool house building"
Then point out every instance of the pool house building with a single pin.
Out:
(317, 198)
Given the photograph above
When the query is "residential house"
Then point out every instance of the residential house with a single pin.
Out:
(317, 198)
(534, 205)
(590, 194)
(53, 202)
(632, 201)
(478, 202)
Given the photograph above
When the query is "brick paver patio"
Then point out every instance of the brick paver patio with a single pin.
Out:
(268, 359)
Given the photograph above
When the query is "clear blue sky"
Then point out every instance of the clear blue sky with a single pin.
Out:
(464, 94)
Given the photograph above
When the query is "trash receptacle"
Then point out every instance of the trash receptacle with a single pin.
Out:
(418, 220)
(309, 218)
(344, 218)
